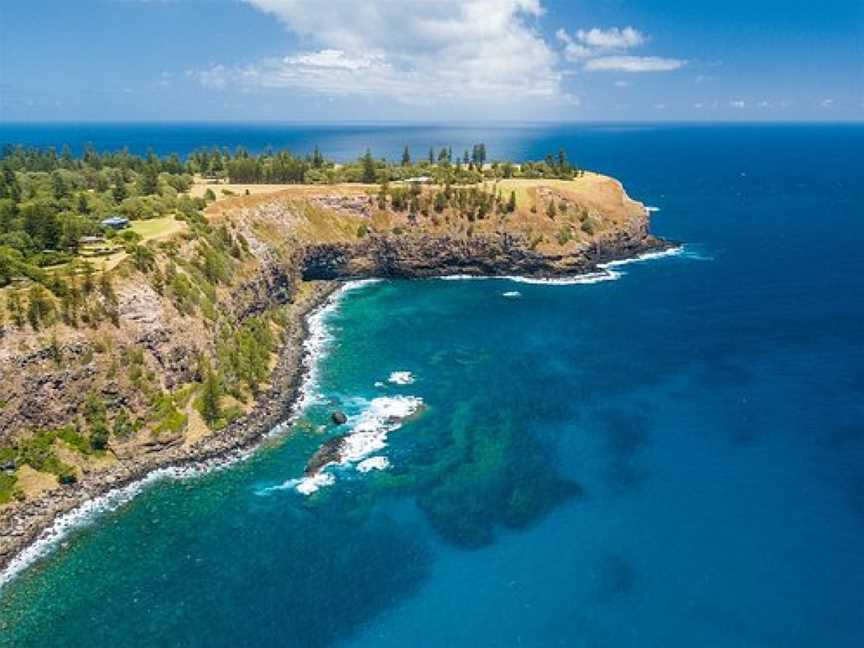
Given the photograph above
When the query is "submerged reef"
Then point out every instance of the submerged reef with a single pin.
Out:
(493, 475)
(484, 475)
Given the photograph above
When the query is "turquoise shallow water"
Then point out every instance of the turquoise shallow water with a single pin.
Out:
(672, 458)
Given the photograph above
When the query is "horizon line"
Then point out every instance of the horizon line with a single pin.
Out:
(424, 123)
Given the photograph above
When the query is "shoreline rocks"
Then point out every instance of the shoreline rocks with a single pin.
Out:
(329, 452)
(25, 524)
(410, 256)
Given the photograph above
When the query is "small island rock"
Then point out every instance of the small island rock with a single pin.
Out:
(339, 418)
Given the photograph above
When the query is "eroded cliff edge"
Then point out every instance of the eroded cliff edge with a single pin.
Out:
(285, 249)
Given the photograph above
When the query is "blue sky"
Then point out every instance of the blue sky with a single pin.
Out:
(435, 60)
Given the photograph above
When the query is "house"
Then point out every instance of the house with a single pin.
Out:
(116, 222)
(419, 179)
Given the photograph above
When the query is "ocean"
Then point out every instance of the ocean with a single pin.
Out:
(673, 456)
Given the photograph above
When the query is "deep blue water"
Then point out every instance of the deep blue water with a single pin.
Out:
(674, 458)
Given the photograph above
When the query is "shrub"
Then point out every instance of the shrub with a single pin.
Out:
(564, 235)
(70, 435)
(7, 487)
(167, 418)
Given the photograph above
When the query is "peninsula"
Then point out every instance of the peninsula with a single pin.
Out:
(153, 309)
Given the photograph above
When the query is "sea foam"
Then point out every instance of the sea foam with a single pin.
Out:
(373, 463)
(84, 514)
(315, 347)
(368, 435)
(401, 378)
(606, 272)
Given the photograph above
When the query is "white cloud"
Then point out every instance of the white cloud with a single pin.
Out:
(826, 103)
(573, 51)
(415, 52)
(596, 41)
(332, 58)
(214, 77)
(606, 49)
(613, 38)
(634, 64)
(737, 103)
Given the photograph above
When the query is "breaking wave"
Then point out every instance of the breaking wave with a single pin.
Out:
(368, 435)
(315, 346)
(401, 378)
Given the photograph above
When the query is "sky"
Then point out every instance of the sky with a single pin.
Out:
(431, 60)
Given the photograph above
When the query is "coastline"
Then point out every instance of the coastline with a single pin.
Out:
(34, 525)
(38, 528)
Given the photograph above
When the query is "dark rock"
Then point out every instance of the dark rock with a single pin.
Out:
(8, 465)
(330, 452)
(339, 418)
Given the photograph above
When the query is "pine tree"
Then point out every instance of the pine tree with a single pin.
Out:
(58, 185)
(83, 207)
(211, 395)
(66, 157)
(39, 307)
(148, 181)
(563, 165)
(368, 163)
(16, 311)
(317, 158)
(9, 187)
(406, 157)
(119, 192)
(431, 155)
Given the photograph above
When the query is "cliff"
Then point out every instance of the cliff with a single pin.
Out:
(227, 287)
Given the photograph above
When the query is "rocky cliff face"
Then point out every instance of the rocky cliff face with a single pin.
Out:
(291, 238)
(307, 233)
(498, 253)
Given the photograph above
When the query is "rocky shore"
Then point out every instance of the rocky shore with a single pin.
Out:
(323, 260)
(25, 525)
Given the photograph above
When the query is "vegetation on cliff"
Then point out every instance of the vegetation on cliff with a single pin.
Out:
(173, 333)
(51, 206)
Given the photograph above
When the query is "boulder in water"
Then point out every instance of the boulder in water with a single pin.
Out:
(339, 418)
(329, 452)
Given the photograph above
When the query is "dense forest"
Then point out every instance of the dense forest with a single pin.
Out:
(50, 202)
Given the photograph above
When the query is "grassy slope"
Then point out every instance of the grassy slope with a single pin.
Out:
(592, 197)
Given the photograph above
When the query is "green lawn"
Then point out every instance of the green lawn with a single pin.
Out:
(155, 228)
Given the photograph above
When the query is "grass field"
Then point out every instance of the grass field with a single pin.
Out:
(156, 228)
(149, 230)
